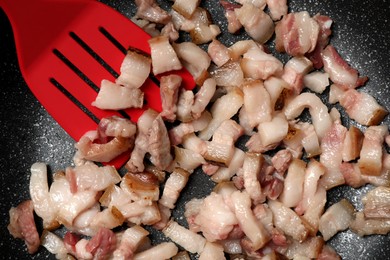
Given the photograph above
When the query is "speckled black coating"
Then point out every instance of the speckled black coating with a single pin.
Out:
(361, 33)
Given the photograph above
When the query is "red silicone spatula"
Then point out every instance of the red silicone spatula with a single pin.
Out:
(66, 47)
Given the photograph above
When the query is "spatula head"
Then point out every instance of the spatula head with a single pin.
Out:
(66, 48)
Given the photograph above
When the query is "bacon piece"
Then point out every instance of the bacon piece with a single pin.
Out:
(336, 218)
(352, 144)
(169, 91)
(261, 4)
(72, 206)
(135, 69)
(68, 205)
(296, 34)
(90, 149)
(187, 239)
(177, 133)
(22, 225)
(277, 8)
(54, 244)
(218, 153)
(141, 186)
(293, 140)
(256, 22)
(147, 26)
(187, 159)
(112, 96)
(81, 251)
(277, 89)
(281, 160)
(184, 106)
(191, 211)
(339, 71)
(218, 52)
(229, 75)
(370, 161)
(109, 218)
(180, 22)
(331, 156)
(159, 145)
(203, 97)
(141, 212)
(93, 177)
(39, 193)
(164, 57)
(352, 175)
(221, 149)
(251, 174)
(165, 214)
(185, 7)
(257, 103)
(233, 23)
(314, 210)
(224, 108)
(170, 31)
(313, 173)
(336, 93)
(328, 253)
(273, 132)
(310, 140)
(102, 244)
(135, 163)
(257, 64)
(175, 183)
(364, 227)
(325, 24)
(225, 173)
(212, 251)
(194, 59)
(228, 132)
(376, 203)
(115, 126)
(203, 31)
(70, 241)
(255, 144)
(182, 255)
(239, 48)
(293, 184)
(149, 10)
(294, 72)
(82, 224)
(318, 111)
(114, 196)
(310, 248)
(288, 221)
(165, 250)
(129, 243)
(254, 230)
(362, 107)
(265, 216)
(209, 168)
(316, 81)
(215, 219)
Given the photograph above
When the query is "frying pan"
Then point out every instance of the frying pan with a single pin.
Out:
(361, 34)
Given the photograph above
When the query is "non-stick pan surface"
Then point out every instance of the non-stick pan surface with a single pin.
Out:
(361, 33)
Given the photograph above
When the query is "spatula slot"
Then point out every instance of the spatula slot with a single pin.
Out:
(73, 99)
(123, 49)
(83, 77)
(76, 70)
(113, 40)
(96, 56)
